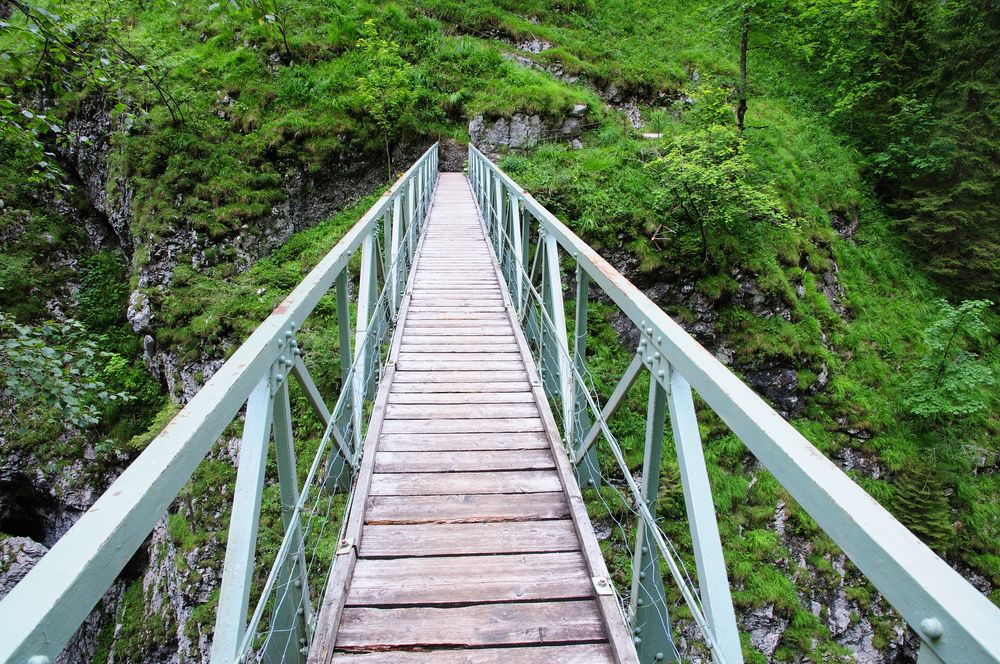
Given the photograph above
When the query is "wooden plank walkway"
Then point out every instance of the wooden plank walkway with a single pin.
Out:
(467, 541)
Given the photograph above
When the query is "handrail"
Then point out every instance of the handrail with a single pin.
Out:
(955, 622)
(41, 613)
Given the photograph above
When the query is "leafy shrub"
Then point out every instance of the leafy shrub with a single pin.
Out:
(53, 373)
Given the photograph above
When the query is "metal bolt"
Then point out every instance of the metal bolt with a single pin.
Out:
(302, 640)
(301, 611)
(661, 373)
(649, 330)
(279, 379)
(659, 657)
(590, 481)
(645, 549)
(656, 356)
(636, 640)
(288, 334)
(297, 583)
(932, 628)
(640, 602)
(291, 325)
(282, 360)
(637, 631)
(642, 575)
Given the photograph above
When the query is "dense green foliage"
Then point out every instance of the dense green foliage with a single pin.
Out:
(52, 373)
(874, 114)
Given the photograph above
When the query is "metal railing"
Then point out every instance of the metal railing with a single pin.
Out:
(41, 613)
(955, 622)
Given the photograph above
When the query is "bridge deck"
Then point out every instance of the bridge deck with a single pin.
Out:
(470, 540)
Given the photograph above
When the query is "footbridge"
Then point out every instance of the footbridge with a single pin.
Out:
(442, 516)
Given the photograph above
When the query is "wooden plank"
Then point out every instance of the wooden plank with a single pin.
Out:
(432, 314)
(408, 442)
(474, 366)
(461, 397)
(530, 623)
(431, 282)
(483, 425)
(451, 307)
(414, 337)
(482, 355)
(466, 508)
(444, 317)
(592, 653)
(460, 539)
(457, 299)
(447, 462)
(469, 387)
(431, 484)
(459, 411)
(470, 328)
(461, 377)
(457, 579)
(454, 348)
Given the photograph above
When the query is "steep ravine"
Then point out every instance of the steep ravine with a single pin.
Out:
(153, 615)
(146, 616)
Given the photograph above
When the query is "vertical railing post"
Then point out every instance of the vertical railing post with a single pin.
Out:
(395, 243)
(588, 473)
(411, 236)
(713, 584)
(366, 300)
(546, 356)
(648, 607)
(559, 346)
(241, 545)
(516, 249)
(388, 269)
(289, 636)
(497, 213)
(343, 418)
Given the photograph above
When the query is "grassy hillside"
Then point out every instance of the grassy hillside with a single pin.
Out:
(258, 109)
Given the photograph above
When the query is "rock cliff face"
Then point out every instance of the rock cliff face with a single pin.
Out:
(523, 132)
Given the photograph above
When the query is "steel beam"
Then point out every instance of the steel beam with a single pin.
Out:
(713, 582)
(621, 389)
(588, 471)
(289, 632)
(648, 606)
(241, 544)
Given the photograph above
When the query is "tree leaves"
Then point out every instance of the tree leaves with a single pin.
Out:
(54, 372)
(950, 376)
(708, 178)
(386, 88)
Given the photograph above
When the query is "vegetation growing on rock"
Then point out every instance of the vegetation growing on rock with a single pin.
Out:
(830, 245)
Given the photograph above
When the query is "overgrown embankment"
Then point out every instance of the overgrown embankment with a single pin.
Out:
(785, 247)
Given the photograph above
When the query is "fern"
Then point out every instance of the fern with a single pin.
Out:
(949, 378)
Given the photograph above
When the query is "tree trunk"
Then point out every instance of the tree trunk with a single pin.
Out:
(388, 157)
(741, 104)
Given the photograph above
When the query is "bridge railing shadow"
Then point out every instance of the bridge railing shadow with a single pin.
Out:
(266, 604)
(540, 257)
